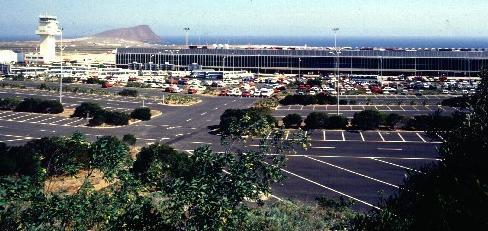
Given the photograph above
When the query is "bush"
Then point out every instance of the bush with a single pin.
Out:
(98, 119)
(292, 121)
(87, 109)
(368, 120)
(317, 120)
(462, 102)
(39, 106)
(129, 92)
(50, 107)
(252, 121)
(129, 139)
(9, 103)
(343, 102)
(337, 122)
(142, 113)
(392, 120)
(116, 118)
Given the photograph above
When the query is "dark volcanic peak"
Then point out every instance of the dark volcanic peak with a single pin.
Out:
(142, 33)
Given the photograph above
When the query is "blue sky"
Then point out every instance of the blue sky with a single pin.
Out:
(467, 18)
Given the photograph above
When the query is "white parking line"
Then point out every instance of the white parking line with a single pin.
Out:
(343, 136)
(382, 138)
(353, 172)
(362, 137)
(401, 137)
(330, 189)
(323, 147)
(390, 149)
(422, 138)
(32, 118)
(396, 165)
(203, 113)
(324, 135)
(287, 134)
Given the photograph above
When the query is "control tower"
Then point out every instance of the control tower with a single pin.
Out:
(48, 29)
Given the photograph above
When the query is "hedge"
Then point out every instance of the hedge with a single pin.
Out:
(292, 121)
(87, 110)
(129, 92)
(337, 122)
(39, 106)
(142, 113)
(317, 120)
(116, 118)
(9, 103)
(368, 120)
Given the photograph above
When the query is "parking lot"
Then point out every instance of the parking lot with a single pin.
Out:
(360, 165)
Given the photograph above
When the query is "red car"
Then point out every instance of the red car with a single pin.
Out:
(246, 94)
(192, 91)
(224, 93)
(106, 85)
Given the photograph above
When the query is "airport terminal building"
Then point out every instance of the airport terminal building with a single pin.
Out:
(386, 62)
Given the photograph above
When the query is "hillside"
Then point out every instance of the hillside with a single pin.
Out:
(142, 33)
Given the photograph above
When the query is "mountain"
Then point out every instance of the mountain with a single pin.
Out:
(142, 33)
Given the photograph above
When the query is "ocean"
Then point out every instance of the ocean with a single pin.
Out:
(385, 42)
(356, 41)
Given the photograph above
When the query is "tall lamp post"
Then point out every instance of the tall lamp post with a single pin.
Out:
(337, 53)
(187, 29)
(61, 48)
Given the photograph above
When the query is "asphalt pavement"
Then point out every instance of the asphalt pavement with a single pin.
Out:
(363, 166)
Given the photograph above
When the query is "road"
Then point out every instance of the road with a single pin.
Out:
(362, 166)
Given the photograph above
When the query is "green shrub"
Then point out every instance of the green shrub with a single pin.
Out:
(142, 113)
(393, 119)
(87, 109)
(368, 119)
(321, 99)
(39, 106)
(129, 139)
(9, 103)
(50, 107)
(292, 121)
(97, 119)
(116, 118)
(129, 92)
(337, 122)
(343, 102)
(317, 120)
(28, 105)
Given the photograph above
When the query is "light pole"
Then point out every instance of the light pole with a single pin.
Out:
(187, 29)
(61, 48)
(299, 67)
(337, 52)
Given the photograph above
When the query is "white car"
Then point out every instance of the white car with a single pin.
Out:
(207, 83)
(235, 92)
(257, 93)
(265, 92)
(445, 92)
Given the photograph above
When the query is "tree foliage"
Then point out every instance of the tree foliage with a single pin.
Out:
(451, 194)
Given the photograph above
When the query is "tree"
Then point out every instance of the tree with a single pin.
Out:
(87, 109)
(367, 119)
(142, 113)
(393, 119)
(129, 92)
(292, 121)
(129, 139)
(235, 123)
(116, 118)
(317, 120)
(337, 122)
(451, 194)
(9, 103)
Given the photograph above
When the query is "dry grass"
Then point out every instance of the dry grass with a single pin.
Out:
(71, 184)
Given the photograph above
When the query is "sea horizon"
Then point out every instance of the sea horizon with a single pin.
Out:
(314, 41)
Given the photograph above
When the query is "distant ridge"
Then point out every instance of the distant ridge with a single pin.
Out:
(142, 33)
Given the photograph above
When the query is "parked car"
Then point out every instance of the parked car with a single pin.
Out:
(173, 89)
(224, 93)
(192, 90)
(257, 93)
(266, 92)
(106, 85)
(247, 94)
(235, 92)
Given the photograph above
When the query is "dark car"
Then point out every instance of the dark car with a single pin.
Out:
(224, 93)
